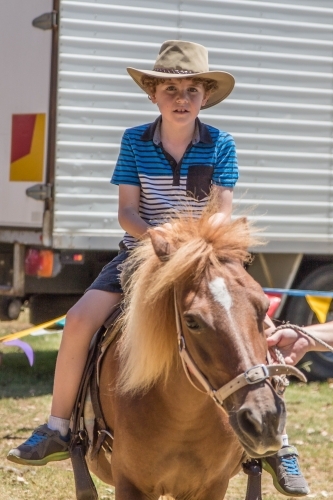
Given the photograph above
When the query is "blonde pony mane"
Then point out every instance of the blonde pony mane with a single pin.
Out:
(148, 346)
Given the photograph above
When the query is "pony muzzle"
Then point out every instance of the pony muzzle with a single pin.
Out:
(260, 428)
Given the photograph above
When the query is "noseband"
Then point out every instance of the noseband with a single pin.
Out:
(254, 375)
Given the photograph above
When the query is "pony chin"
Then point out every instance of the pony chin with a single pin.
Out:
(261, 450)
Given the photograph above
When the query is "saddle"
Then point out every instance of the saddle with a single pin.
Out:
(89, 430)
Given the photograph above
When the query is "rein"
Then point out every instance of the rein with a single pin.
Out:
(254, 375)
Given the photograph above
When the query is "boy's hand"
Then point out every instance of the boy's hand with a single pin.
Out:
(219, 218)
(165, 228)
(293, 345)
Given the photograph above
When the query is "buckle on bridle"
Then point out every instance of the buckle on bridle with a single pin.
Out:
(253, 375)
(181, 343)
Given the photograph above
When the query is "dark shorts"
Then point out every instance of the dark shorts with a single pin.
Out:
(108, 279)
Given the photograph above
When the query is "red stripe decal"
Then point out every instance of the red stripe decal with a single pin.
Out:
(22, 132)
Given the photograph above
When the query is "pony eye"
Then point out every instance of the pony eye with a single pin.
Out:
(191, 323)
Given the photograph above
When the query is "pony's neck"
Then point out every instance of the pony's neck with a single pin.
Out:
(180, 396)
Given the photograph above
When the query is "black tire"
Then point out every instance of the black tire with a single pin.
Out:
(10, 308)
(315, 365)
(47, 307)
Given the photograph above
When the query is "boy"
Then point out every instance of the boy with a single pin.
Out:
(175, 159)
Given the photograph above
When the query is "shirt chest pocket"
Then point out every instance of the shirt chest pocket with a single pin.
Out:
(199, 179)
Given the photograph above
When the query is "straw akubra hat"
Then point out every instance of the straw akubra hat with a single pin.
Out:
(180, 59)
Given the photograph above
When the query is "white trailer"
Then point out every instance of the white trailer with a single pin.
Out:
(57, 231)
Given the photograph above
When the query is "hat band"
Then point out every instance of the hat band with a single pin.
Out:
(176, 71)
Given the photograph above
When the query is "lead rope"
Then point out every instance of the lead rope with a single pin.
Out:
(280, 382)
(301, 330)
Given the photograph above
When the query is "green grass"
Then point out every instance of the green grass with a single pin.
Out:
(18, 379)
(25, 397)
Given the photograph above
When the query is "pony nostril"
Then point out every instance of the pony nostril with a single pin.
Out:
(250, 421)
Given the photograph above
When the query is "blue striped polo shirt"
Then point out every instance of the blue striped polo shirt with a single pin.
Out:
(166, 186)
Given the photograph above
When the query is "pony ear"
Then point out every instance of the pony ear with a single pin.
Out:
(161, 246)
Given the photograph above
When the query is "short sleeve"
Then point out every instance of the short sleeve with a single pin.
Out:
(125, 171)
(226, 168)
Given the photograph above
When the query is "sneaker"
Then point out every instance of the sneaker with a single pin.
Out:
(43, 446)
(287, 476)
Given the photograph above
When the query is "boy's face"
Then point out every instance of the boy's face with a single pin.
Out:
(179, 100)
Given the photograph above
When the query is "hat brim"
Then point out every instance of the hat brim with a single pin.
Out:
(225, 81)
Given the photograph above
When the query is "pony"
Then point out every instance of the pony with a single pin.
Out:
(185, 389)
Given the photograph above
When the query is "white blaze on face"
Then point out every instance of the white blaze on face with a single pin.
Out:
(220, 293)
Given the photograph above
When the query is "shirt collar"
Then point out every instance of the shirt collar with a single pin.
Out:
(153, 132)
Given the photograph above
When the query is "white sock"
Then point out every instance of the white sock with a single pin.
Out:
(285, 441)
(58, 424)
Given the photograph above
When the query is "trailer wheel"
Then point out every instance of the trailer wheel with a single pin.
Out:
(10, 308)
(315, 365)
(47, 307)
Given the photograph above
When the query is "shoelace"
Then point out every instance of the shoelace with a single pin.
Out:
(35, 439)
(290, 465)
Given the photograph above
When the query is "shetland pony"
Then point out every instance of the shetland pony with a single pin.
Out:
(175, 433)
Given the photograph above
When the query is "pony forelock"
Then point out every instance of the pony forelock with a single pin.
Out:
(148, 346)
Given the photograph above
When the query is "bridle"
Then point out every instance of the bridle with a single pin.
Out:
(254, 375)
